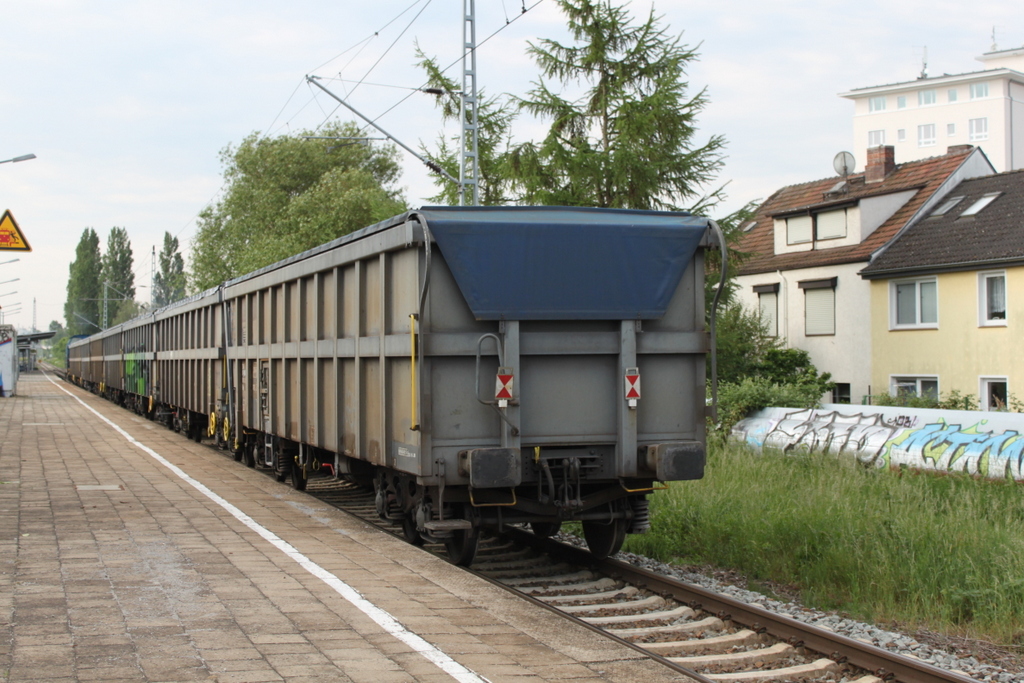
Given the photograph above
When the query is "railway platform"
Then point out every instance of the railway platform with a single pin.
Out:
(129, 553)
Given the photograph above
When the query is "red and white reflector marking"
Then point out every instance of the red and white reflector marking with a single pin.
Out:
(632, 386)
(503, 387)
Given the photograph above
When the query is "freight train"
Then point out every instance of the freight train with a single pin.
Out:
(476, 366)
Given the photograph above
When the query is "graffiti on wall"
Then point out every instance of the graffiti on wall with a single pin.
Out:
(884, 440)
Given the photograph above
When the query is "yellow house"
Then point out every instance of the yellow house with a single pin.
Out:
(947, 297)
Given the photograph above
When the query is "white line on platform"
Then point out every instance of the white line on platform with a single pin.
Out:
(383, 618)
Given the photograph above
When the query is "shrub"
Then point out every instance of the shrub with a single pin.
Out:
(737, 400)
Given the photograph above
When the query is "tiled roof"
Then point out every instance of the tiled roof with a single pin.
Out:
(992, 236)
(925, 176)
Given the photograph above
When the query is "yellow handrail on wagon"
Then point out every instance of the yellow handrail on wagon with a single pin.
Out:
(413, 425)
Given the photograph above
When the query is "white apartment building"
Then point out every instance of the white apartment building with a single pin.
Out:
(922, 118)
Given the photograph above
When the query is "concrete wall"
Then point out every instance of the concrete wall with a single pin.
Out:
(977, 443)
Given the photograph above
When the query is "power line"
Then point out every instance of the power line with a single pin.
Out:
(457, 60)
(370, 37)
(392, 45)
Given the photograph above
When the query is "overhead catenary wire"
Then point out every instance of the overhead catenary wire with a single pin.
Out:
(362, 43)
(445, 69)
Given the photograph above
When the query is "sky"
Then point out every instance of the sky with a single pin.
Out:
(128, 105)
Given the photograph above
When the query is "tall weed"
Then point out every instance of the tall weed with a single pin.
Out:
(944, 552)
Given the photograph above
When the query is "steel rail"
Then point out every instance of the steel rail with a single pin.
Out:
(843, 649)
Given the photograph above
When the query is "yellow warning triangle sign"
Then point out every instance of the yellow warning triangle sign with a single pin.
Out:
(11, 238)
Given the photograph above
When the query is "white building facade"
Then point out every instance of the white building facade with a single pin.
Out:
(921, 118)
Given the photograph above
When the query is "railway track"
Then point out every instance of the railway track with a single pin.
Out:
(705, 635)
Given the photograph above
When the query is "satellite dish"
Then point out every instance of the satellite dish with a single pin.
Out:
(843, 163)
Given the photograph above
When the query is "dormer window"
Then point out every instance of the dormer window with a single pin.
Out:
(830, 224)
(799, 229)
(947, 205)
(824, 225)
(980, 204)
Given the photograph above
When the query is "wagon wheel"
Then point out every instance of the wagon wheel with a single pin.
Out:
(249, 452)
(299, 475)
(409, 529)
(545, 529)
(462, 544)
(282, 463)
(238, 450)
(605, 538)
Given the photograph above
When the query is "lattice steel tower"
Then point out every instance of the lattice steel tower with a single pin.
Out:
(469, 170)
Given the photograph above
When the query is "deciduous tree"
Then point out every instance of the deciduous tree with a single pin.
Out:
(169, 280)
(287, 194)
(118, 274)
(85, 288)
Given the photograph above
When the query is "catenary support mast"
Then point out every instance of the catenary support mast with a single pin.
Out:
(469, 172)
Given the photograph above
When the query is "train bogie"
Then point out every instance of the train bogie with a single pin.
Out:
(476, 366)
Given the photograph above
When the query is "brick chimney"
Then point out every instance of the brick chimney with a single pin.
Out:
(881, 162)
(957, 149)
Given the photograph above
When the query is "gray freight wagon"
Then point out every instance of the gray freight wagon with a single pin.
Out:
(478, 366)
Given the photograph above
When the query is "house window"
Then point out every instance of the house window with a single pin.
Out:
(925, 97)
(994, 393)
(947, 205)
(830, 224)
(901, 135)
(978, 129)
(876, 138)
(901, 102)
(841, 394)
(992, 299)
(926, 135)
(979, 90)
(798, 229)
(951, 95)
(914, 304)
(768, 306)
(924, 387)
(876, 104)
(950, 129)
(819, 306)
(980, 204)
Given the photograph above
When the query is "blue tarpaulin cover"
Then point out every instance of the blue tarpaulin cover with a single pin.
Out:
(565, 263)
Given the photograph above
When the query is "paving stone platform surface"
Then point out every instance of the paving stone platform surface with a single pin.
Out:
(115, 567)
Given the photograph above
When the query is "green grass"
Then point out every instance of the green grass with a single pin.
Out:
(940, 552)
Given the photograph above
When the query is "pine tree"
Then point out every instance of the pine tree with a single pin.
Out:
(85, 286)
(169, 280)
(494, 122)
(628, 141)
(118, 274)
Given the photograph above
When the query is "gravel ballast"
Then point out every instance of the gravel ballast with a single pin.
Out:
(950, 657)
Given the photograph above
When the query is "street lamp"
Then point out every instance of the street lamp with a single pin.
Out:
(23, 157)
(9, 293)
(6, 281)
(3, 263)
